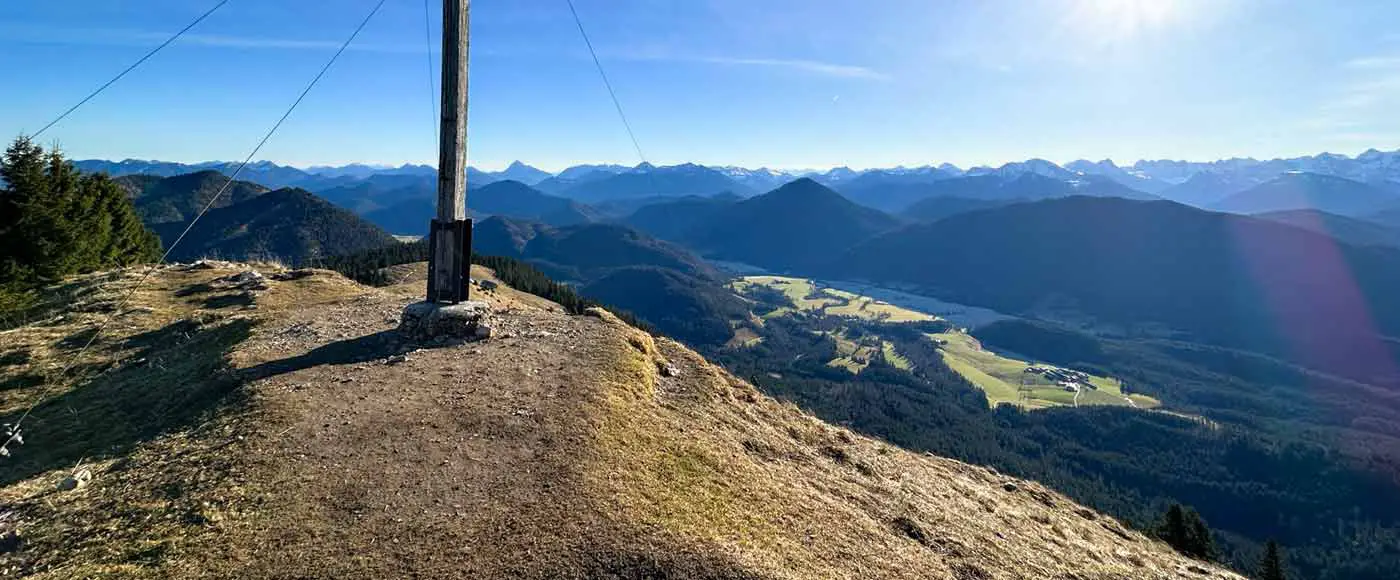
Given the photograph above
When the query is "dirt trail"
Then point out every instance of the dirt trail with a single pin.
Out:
(427, 462)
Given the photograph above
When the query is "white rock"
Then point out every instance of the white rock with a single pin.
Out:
(75, 481)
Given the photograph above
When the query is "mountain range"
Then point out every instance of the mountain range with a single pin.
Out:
(591, 183)
(646, 181)
(793, 226)
(406, 210)
(1206, 188)
(1028, 244)
(901, 191)
(1297, 190)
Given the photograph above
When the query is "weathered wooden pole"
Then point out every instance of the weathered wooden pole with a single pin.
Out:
(446, 311)
(451, 231)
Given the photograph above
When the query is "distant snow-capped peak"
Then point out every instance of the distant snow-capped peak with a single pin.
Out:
(1036, 166)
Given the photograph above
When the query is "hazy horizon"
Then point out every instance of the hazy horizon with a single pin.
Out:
(796, 169)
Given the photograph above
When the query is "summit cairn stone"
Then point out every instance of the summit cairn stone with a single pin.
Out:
(429, 321)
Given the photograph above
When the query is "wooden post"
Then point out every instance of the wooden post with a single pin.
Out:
(450, 234)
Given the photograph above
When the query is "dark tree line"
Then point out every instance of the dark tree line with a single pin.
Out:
(688, 308)
(368, 267)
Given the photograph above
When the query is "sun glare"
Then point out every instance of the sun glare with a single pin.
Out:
(1118, 20)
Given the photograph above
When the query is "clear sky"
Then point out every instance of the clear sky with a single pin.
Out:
(780, 83)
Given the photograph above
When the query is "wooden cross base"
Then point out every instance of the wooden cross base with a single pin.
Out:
(449, 261)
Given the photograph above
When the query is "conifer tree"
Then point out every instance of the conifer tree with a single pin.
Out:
(1174, 530)
(1271, 565)
(56, 221)
(1200, 543)
(1184, 530)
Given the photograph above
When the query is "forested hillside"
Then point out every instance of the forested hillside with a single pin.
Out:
(179, 198)
(370, 267)
(1157, 268)
(649, 282)
(687, 307)
(675, 220)
(933, 209)
(792, 228)
(290, 225)
(585, 252)
(1354, 231)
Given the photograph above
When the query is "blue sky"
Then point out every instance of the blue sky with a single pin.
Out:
(780, 83)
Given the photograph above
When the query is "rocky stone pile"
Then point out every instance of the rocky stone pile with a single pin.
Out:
(427, 321)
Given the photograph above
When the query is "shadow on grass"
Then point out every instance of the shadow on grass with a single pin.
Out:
(191, 290)
(22, 381)
(14, 358)
(371, 347)
(222, 298)
(227, 301)
(180, 331)
(78, 339)
(178, 376)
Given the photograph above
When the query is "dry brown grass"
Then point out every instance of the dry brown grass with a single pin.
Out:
(711, 460)
(296, 447)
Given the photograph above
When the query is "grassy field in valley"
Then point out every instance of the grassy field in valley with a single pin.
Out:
(893, 357)
(808, 296)
(744, 337)
(853, 356)
(1003, 378)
